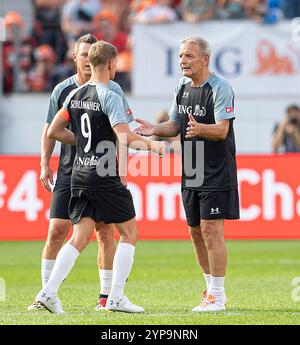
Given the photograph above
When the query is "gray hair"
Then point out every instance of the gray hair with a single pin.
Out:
(203, 45)
(88, 38)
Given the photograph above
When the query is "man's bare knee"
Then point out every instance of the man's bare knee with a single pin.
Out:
(130, 236)
(80, 240)
(196, 234)
(58, 231)
(128, 231)
(82, 233)
(106, 235)
(211, 233)
(79, 244)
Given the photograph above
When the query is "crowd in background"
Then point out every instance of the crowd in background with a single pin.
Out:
(45, 56)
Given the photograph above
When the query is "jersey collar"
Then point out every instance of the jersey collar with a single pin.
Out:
(211, 76)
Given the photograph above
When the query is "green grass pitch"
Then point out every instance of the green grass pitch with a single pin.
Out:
(165, 280)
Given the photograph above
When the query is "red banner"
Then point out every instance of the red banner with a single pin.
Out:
(269, 194)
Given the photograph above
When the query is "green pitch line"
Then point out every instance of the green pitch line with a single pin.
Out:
(165, 280)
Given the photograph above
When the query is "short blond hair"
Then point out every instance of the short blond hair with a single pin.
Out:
(203, 45)
(101, 52)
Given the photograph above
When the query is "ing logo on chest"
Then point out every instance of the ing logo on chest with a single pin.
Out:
(189, 110)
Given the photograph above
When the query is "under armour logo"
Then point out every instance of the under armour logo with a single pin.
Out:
(215, 210)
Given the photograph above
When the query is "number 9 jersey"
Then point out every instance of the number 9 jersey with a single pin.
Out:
(93, 111)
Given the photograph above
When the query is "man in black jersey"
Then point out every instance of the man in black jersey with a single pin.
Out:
(60, 223)
(203, 113)
(97, 117)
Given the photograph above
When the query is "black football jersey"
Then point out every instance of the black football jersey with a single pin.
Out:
(68, 152)
(207, 165)
(94, 110)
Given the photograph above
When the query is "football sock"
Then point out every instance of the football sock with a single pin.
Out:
(47, 267)
(217, 286)
(207, 278)
(105, 281)
(64, 262)
(123, 262)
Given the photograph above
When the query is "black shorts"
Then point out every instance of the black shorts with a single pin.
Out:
(112, 206)
(60, 202)
(210, 205)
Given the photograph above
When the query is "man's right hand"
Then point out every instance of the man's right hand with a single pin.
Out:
(146, 129)
(46, 177)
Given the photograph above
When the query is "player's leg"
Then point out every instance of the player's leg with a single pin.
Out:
(59, 227)
(191, 205)
(124, 256)
(201, 255)
(122, 265)
(64, 263)
(57, 233)
(213, 235)
(214, 208)
(116, 206)
(105, 258)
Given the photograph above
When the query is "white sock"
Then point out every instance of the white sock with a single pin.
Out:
(105, 281)
(123, 262)
(217, 286)
(47, 267)
(207, 278)
(64, 262)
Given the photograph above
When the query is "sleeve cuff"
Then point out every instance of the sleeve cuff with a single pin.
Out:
(224, 116)
(118, 122)
(174, 118)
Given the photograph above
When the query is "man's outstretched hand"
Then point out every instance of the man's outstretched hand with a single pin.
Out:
(146, 129)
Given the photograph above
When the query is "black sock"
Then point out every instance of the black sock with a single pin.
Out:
(102, 296)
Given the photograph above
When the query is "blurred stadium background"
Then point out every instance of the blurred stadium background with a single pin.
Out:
(256, 46)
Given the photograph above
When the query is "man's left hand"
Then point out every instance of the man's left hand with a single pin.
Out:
(194, 128)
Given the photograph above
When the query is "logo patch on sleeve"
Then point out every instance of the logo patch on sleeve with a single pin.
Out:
(229, 109)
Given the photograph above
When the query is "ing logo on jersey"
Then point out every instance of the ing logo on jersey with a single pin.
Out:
(188, 110)
(199, 111)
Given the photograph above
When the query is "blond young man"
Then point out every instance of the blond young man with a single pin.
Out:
(60, 223)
